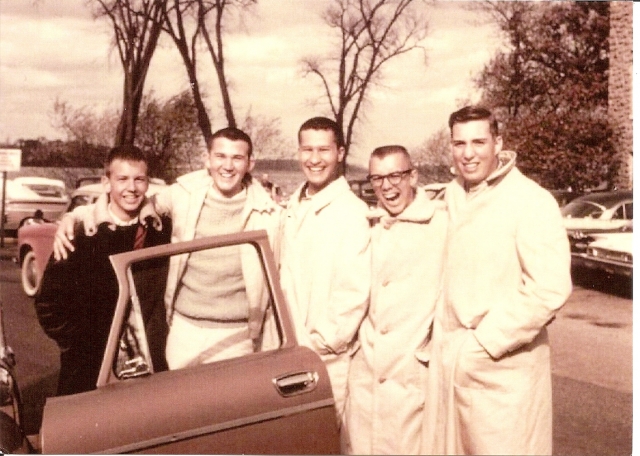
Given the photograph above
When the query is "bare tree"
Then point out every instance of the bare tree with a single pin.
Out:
(188, 22)
(371, 32)
(137, 25)
(433, 158)
(83, 124)
(167, 133)
(266, 135)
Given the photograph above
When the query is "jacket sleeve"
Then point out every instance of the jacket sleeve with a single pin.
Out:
(349, 296)
(543, 252)
(162, 201)
(52, 306)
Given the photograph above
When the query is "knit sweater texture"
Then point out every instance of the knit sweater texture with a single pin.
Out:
(213, 287)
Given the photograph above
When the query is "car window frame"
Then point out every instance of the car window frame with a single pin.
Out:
(122, 266)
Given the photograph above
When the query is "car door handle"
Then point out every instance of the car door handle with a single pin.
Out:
(296, 383)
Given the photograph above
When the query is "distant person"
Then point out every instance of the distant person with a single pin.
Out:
(216, 299)
(77, 298)
(272, 188)
(507, 273)
(325, 268)
(386, 388)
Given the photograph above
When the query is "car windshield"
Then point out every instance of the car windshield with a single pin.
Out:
(581, 209)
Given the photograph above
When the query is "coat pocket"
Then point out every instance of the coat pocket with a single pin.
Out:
(476, 369)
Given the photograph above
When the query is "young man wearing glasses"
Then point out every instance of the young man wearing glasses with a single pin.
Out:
(386, 387)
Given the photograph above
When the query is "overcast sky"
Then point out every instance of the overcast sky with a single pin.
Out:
(53, 49)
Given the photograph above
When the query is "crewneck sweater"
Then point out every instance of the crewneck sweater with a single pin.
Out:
(212, 287)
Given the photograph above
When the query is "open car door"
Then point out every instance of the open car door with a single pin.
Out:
(276, 400)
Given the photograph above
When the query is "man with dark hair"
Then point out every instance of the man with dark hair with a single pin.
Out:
(507, 273)
(325, 264)
(216, 299)
(386, 388)
(78, 295)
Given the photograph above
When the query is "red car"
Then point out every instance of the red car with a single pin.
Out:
(277, 400)
(35, 236)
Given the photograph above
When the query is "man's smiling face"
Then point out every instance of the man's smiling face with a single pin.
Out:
(126, 183)
(319, 157)
(394, 197)
(474, 150)
(228, 162)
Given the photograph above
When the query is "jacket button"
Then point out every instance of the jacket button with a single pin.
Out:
(382, 380)
(385, 283)
(384, 331)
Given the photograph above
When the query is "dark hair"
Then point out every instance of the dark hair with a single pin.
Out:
(470, 113)
(323, 123)
(232, 134)
(126, 152)
(383, 151)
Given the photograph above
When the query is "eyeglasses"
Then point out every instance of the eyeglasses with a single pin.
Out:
(393, 178)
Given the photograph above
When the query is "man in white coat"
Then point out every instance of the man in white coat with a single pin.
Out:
(325, 255)
(386, 392)
(507, 273)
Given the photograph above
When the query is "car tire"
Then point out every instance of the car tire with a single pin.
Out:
(29, 274)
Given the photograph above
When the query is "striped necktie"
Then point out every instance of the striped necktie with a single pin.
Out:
(141, 233)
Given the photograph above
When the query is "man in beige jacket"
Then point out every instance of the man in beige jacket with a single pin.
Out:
(386, 392)
(325, 256)
(216, 299)
(507, 273)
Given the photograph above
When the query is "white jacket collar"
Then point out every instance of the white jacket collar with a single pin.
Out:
(421, 210)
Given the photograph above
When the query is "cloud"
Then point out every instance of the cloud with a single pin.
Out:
(56, 49)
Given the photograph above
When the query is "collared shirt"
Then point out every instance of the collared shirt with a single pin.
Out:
(118, 221)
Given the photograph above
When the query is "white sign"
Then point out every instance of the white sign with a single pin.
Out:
(10, 159)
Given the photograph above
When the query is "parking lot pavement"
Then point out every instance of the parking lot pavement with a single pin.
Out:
(8, 249)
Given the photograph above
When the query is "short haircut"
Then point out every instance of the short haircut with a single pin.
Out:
(126, 152)
(471, 113)
(384, 151)
(232, 134)
(323, 123)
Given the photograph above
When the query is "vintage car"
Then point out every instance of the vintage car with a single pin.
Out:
(564, 197)
(596, 212)
(611, 253)
(25, 196)
(363, 190)
(43, 186)
(35, 237)
(277, 400)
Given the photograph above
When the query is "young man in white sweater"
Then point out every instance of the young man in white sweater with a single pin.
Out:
(216, 299)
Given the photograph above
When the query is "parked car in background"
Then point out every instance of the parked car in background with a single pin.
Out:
(86, 180)
(277, 400)
(364, 190)
(43, 186)
(597, 212)
(12, 438)
(26, 195)
(35, 237)
(611, 253)
(563, 197)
